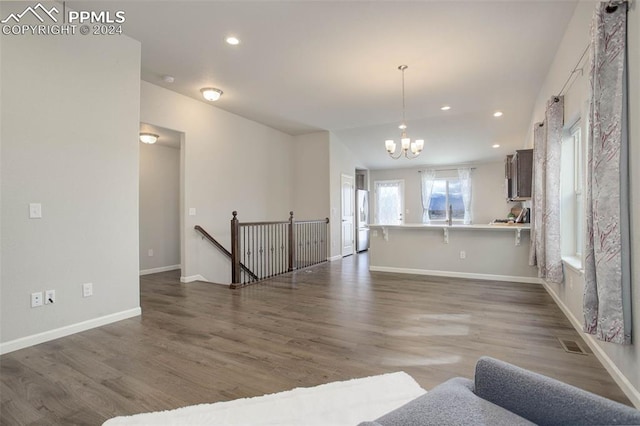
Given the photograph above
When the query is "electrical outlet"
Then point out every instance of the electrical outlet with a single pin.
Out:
(36, 299)
(87, 290)
(49, 297)
(150, 252)
(463, 254)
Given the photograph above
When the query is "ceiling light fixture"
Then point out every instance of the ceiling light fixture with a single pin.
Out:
(495, 145)
(234, 41)
(148, 138)
(211, 94)
(497, 114)
(405, 142)
(445, 108)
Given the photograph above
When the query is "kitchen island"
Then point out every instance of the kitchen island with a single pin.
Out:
(492, 252)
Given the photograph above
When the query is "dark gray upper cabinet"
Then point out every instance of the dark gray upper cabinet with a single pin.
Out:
(519, 172)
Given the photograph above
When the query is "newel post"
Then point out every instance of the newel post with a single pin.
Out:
(235, 249)
(292, 243)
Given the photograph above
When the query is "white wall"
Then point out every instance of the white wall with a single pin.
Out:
(622, 361)
(230, 163)
(159, 207)
(311, 171)
(488, 200)
(70, 117)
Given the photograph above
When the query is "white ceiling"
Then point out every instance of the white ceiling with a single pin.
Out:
(305, 66)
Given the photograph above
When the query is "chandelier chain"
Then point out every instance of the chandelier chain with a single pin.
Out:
(402, 68)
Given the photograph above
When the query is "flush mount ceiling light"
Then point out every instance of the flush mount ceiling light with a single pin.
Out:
(495, 145)
(497, 114)
(407, 148)
(234, 41)
(445, 108)
(211, 94)
(148, 138)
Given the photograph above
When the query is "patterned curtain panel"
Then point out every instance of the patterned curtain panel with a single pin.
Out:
(554, 122)
(426, 181)
(536, 247)
(464, 175)
(607, 295)
(545, 249)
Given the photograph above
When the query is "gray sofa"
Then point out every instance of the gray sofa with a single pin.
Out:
(503, 394)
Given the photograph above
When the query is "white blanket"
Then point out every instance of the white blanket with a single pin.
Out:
(338, 403)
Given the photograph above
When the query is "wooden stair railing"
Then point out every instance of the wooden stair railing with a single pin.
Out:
(274, 248)
(220, 247)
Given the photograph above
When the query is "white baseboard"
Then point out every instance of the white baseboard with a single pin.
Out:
(632, 393)
(193, 278)
(452, 274)
(35, 339)
(334, 258)
(199, 277)
(160, 269)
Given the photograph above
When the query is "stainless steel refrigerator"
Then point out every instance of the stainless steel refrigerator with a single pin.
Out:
(362, 220)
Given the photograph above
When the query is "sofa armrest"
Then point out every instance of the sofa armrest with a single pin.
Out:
(544, 400)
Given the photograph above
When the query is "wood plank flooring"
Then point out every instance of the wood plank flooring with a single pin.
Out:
(199, 342)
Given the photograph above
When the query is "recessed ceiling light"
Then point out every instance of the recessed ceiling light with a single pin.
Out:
(495, 145)
(234, 41)
(445, 108)
(168, 78)
(211, 94)
(497, 114)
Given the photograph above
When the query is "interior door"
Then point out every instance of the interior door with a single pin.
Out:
(348, 199)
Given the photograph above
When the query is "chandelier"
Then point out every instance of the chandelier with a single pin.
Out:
(410, 149)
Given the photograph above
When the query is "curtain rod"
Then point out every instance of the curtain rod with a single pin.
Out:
(575, 70)
(612, 6)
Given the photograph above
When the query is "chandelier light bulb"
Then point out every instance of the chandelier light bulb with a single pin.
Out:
(390, 145)
(405, 143)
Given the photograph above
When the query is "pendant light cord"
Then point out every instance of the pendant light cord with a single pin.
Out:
(402, 68)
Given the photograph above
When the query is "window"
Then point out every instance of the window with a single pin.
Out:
(446, 192)
(572, 195)
(389, 202)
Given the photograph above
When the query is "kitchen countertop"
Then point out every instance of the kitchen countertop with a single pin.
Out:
(496, 226)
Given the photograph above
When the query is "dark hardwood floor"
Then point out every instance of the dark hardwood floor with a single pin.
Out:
(199, 342)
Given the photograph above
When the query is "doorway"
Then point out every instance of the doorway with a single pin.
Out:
(160, 192)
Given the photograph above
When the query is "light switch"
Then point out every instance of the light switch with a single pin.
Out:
(35, 211)
(192, 211)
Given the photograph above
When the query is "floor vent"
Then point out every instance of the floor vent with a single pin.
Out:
(572, 346)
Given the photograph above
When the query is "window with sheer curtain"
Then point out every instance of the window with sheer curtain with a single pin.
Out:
(389, 202)
(445, 193)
